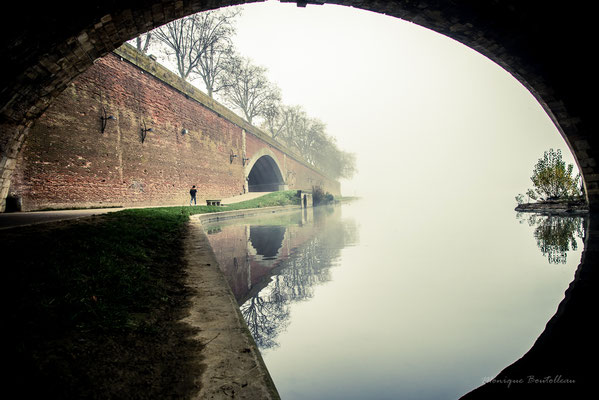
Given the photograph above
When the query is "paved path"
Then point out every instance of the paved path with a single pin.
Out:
(242, 197)
(10, 220)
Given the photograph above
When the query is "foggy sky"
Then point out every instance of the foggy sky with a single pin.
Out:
(425, 114)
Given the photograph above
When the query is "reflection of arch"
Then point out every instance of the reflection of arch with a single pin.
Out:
(264, 174)
(267, 240)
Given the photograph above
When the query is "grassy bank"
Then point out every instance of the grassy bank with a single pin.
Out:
(93, 304)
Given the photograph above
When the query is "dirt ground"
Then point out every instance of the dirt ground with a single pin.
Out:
(154, 365)
(193, 346)
(160, 361)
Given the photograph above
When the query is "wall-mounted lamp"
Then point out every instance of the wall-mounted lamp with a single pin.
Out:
(144, 132)
(184, 131)
(244, 160)
(232, 156)
(104, 117)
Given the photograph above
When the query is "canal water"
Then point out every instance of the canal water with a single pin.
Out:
(371, 301)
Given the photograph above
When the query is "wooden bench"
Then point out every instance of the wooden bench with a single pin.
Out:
(213, 202)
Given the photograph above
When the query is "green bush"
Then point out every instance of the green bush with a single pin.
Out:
(320, 197)
(552, 179)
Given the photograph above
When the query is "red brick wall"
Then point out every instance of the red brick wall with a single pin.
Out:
(67, 162)
(295, 173)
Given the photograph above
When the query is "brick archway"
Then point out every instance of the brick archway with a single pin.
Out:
(264, 173)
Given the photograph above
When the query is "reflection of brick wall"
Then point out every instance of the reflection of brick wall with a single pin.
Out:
(230, 249)
(244, 270)
(67, 162)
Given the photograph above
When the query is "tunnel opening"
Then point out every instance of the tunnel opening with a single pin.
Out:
(265, 176)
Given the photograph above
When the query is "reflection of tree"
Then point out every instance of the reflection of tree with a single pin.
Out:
(556, 235)
(267, 312)
(266, 315)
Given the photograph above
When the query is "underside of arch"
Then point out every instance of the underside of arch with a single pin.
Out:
(265, 176)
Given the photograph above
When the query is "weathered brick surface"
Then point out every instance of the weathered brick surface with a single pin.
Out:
(67, 161)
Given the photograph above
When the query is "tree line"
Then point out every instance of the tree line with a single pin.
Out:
(200, 47)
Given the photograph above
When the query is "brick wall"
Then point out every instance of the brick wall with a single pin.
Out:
(295, 173)
(66, 160)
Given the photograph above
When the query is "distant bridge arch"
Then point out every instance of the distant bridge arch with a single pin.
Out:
(264, 173)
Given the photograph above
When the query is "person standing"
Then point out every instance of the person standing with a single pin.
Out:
(192, 193)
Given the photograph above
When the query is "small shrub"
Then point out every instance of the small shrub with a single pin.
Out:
(319, 196)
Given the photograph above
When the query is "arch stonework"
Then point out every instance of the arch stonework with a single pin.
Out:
(256, 156)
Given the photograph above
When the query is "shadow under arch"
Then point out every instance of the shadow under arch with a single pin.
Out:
(544, 47)
(264, 173)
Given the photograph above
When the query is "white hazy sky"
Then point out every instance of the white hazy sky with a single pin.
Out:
(419, 109)
(425, 115)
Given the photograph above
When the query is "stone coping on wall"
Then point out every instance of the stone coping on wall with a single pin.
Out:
(130, 54)
(245, 213)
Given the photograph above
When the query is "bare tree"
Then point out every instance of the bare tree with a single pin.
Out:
(335, 162)
(347, 165)
(292, 122)
(247, 88)
(313, 140)
(301, 131)
(292, 125)
(273, 122)
(181, 43)
(143, 41)
(218, 29)
(200, 45)
(187, 40)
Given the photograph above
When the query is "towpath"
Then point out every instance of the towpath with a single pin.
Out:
(14, 219)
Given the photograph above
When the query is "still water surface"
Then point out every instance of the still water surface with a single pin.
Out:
(358, 301)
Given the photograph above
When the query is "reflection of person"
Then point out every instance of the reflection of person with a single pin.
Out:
(192, 193)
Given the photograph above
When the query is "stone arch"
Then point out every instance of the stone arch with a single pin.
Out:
(264, 173)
